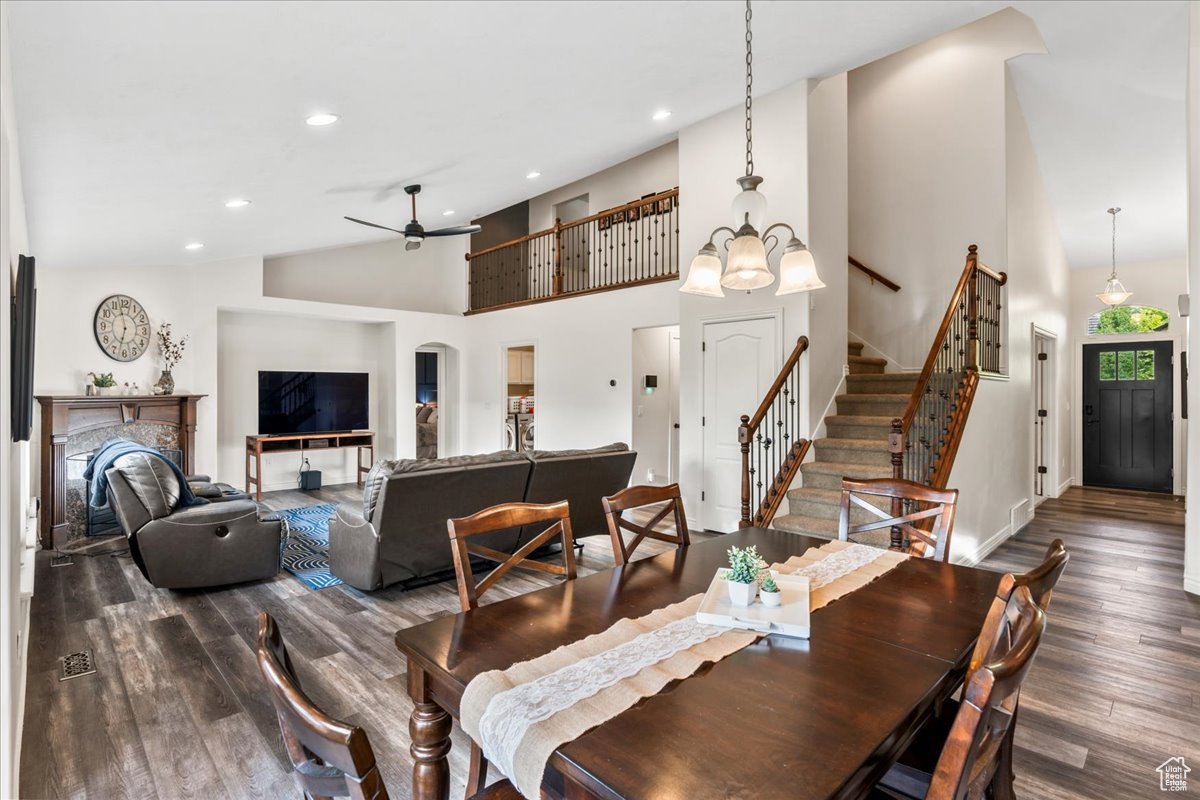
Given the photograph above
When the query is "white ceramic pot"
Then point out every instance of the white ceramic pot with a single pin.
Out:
(741, 594)
(770, 598)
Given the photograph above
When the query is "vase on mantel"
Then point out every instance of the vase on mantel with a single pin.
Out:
(165, 384)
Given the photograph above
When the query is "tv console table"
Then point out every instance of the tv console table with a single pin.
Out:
(256, 446)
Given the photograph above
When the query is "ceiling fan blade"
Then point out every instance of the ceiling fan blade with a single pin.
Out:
(373, 225)
(456, 231)
(412, 245)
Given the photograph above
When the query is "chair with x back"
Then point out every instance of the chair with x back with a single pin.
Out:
(636, 497)
(331, 758)
(498, 518)
(968, 765)
(924, 502)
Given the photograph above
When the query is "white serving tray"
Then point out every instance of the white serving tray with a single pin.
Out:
(790, 618)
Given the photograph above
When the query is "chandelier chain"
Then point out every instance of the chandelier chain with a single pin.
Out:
(1114, 244)
(749, 97)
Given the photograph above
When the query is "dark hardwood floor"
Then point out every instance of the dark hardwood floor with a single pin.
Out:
(176, 708)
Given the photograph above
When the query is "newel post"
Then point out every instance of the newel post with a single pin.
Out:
(558, 273)
(973, 309)
(744, 442)
(896, 448)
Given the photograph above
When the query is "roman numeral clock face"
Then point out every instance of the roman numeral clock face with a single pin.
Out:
(122, 328)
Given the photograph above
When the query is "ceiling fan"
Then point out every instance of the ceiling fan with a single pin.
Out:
(414, 233)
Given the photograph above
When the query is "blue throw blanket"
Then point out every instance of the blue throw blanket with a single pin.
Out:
(113, 449)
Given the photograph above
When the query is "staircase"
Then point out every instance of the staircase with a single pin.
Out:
(855, 446)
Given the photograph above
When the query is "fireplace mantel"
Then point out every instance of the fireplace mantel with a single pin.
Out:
(67, 415)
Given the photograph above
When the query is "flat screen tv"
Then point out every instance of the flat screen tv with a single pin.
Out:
(312, 402)
(22, 324)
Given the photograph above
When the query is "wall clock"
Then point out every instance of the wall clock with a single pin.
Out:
(122, 328)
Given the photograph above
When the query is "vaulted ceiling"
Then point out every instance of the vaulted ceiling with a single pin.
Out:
(139, 120)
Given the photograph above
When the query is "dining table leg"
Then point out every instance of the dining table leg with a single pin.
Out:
(429, 726)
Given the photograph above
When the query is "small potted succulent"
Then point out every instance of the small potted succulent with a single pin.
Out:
(742, 575)
(104, 382)
(768, 591)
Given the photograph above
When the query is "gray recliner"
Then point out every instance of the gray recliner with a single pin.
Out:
(191, 547)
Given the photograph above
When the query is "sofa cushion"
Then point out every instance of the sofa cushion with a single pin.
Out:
(615, 447)
(373, 484)
(152, 480)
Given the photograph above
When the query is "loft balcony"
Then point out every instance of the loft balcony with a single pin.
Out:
(618, 248)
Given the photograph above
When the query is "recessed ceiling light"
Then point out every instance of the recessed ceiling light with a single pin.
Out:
(533, 175)
(661, 114)
(237, 203)
(193, 245)
(322, 119)
(449, 212)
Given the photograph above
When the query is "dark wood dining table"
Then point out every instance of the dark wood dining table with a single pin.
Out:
(783, 718)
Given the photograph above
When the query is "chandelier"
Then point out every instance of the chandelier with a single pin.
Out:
(1114, 291)
(746, 266)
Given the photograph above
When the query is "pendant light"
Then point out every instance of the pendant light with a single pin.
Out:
(746, 265)
(1114, 291)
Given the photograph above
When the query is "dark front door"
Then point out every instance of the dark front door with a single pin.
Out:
(1127, 415)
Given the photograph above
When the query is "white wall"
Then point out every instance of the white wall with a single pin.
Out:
(1153, 283)
(250, 342)
(652, 420)
(927, 176)
(380, 275)
(653, 171)
(1191, 567)
(16, 548)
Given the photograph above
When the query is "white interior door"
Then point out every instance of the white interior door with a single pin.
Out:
(741, 358)
(673, 399)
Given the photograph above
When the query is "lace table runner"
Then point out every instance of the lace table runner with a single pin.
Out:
(521, 715)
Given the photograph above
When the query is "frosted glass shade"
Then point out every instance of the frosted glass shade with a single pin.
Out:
(704, 276)
(749, 203)
(798, 272)
(746, 267)
(1114, 292)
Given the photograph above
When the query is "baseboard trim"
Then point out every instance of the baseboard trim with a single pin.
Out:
(984, 550)
(1191, 584)
(819, 431)
(1062, 487)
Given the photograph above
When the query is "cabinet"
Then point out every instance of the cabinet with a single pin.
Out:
(520, 366)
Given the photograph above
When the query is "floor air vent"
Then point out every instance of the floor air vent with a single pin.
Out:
(65, 560)
(76, 665)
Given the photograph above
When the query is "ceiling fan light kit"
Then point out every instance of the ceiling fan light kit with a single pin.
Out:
(747, 265)
(414, 233)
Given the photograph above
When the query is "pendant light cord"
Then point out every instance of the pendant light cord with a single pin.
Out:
(1114, 211)
(749, 98)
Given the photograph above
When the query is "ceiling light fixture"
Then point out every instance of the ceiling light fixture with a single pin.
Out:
(193, 245)
(237, 203)
(747, 267)
(449, 212)
(317, 120)
(1114, 291)
(533, 175)
(661, 114)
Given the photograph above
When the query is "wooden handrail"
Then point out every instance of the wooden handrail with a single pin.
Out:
(872, 274)
(1001, 277)
(914, 400)
(562, 226)
(779, 450)
(788, 364)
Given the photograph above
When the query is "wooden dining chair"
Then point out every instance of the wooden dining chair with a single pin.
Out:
(935, 505)
(502, 517)
(331, 758)
(636, 497)
(970, 758)
(498, 518)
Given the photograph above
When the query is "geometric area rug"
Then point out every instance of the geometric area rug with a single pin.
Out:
(307, 552)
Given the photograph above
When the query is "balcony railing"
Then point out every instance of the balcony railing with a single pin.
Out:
(630, 245)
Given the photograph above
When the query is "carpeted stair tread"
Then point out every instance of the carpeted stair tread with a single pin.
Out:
(847, 469)
(886, 382)
(860, 422)
(850, 443)
(828, 529)
(854, 348)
